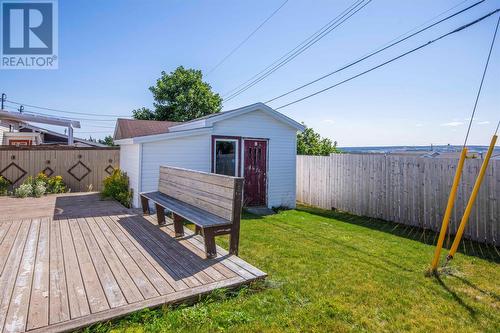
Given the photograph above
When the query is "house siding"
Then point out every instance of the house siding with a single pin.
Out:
(3, 129)
(192, 152)
(130, 163)
(281, 151)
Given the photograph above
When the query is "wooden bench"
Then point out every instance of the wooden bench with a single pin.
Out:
(212, 202)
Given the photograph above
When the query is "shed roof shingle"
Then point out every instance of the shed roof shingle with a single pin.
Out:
(131, 128)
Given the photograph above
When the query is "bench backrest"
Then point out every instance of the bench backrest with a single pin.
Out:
(216, 194)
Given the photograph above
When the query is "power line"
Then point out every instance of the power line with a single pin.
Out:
(391, 60)
(62, 111)
(390, 44)
(246, 39)
(342, 18)
(62, 117)
(316, 33)
(302, 47)
(482, 81)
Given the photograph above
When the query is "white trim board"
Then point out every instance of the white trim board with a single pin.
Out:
(209, 121)
(164, 136)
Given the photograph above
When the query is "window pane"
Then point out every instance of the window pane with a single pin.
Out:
(225, 158)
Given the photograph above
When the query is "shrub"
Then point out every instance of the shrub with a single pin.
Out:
(39, 185)
(56, 185)
(38, 188)
(41, 177)
(116, 186)
(24, 190)
(53, 184)
(4, 186)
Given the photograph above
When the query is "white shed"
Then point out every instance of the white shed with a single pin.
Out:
(254, 142)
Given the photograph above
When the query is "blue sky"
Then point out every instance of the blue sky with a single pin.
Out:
(110, 52)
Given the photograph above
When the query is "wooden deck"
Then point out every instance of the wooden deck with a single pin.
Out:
(71, 260)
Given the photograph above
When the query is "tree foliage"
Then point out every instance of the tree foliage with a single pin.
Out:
(180, 96)
(311, 143)
(108, 140)
(143, 114)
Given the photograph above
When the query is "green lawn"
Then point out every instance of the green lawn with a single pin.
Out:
(337, 272)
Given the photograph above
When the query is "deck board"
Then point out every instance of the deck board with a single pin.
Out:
(95, 292)
(9, 275)
(77, 296)
(68, 261)
(38, 315)
(19, 303)
(58, 292)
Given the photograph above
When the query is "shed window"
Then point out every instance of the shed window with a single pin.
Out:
(226, 157)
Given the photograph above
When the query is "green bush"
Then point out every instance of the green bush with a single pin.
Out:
(24, 190)
(56, 185)
(39, 185)
(53, 184)
(116, 186)
(38, 188)
(4, 186)
(41, 177)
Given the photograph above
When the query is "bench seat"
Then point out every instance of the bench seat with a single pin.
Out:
(212, 202)
(191, 213)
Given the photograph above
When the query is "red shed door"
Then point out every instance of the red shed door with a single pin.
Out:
(255, 172)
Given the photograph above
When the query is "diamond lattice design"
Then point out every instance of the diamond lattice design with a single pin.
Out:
(48, 171)
(79, 171)
(109, 169)
(13, 173)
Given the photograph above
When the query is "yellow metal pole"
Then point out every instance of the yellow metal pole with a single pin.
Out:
(472, 198)
(449, 208)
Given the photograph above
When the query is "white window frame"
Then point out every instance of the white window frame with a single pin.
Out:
(236, 157)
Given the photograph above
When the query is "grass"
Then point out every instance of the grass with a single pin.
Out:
(332, 271)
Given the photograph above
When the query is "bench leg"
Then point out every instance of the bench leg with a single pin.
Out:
(178, 226)
(145, 205)
(234, 240)
(210, 247)
(160, 214)
(197, 230)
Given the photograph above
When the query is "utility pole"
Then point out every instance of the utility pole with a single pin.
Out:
(4, 97)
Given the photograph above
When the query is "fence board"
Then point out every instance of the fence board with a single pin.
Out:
(16, 164)
(406, 189)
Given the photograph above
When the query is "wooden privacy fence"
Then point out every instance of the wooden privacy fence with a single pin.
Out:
(404, 189)
(82, 168)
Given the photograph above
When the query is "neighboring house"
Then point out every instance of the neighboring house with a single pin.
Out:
(15, 130)
(10, 135)
(254, 142)
(54, 138)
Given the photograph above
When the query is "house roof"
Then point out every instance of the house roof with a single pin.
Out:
(131, 128)
(25, 116)
(60, 135)
(151, 130)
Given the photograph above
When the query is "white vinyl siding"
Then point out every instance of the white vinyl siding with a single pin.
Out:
(3, 129)
(281, 151)
(192, 152)
(130, 163)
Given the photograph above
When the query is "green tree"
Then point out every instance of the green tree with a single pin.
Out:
(311, 143)
(180, 96)
(108, 140)
(143, 114)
